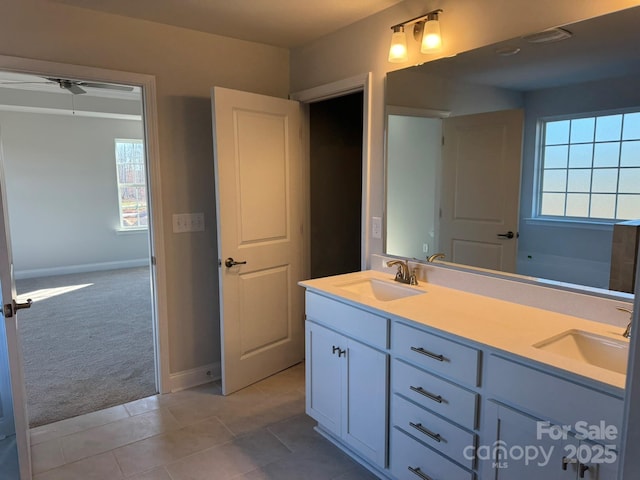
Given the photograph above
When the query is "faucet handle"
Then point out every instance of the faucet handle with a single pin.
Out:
(413, 279)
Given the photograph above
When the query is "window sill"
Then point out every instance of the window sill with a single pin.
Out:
(570, 223)
(131, 231)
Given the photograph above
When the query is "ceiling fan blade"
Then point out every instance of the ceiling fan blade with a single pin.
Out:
(75, 89)
(108, 86)
(25, 83)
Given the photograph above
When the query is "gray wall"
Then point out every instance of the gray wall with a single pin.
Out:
(186, 64)
(578, 254)
(62, 193)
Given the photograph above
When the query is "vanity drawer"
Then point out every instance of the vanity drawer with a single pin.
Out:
(559, 400)
(436, 354)
(432, 430)
(409, 459)
(438, 395)
(355, 322)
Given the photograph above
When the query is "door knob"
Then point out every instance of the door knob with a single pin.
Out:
(8, 309)
(509, 234)
(230, 262)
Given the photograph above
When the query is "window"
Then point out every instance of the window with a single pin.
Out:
(590, 167)
(132, 185)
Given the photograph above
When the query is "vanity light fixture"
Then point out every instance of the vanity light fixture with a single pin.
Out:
(398, 48)
(426, 30)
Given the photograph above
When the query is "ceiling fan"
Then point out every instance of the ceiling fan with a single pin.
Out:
(73, 86)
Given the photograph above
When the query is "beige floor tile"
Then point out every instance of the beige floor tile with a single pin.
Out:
(231, 459)
(155, 474)
(297, 433)
(324, 462)
(99, 467)
(290, 379)
(117, 434)
(269, 410)
(144, 405)
(172, 446)
(47, 455)
(77, 424)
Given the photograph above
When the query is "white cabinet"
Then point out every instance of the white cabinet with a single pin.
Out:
(434, 405)
(524, 451)
(571, 429)
(413, 402)
(347, 388)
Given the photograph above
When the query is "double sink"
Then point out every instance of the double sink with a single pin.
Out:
(600, 351)
(597, 350)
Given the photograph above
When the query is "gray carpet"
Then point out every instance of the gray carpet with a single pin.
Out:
(88, 348)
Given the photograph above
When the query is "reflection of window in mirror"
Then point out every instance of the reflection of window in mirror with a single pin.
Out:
(590, 167)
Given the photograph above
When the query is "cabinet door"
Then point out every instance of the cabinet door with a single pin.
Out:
(364, 418)
(324, 376)
(520, 453)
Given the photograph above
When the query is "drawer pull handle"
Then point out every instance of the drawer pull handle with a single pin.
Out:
(430, 396)
(427, 353)
(416, 471)
(566, 461)
(583, 468)
(427, 432)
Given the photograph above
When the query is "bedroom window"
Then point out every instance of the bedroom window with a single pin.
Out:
(132, 184)
(590, 167)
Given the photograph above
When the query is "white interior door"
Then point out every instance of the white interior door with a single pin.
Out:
(13, 409)
(481, 189)
(259, 204)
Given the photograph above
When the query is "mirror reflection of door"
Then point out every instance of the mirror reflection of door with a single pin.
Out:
(480, 189)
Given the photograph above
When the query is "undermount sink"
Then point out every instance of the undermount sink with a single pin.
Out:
(380, 289)
(603, 352)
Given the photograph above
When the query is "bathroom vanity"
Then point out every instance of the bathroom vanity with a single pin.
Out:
(430, 382)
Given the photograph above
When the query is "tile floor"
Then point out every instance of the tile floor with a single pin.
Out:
(260, 432)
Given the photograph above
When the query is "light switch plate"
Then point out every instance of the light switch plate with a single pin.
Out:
(376, 227)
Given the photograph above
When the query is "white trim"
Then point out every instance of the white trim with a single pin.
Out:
(569, 223)
(417, 112)
(87, 267)
(195, 376)
(129, 231)
(358, 83)
(70, 113)
(156, 239)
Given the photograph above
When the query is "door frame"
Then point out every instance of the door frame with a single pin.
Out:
(156, 236)
(357, 83)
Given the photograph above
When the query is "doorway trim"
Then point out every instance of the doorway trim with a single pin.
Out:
(357, 83)
(156, 237)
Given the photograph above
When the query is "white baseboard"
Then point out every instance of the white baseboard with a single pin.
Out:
(87, 267)
(194, 377)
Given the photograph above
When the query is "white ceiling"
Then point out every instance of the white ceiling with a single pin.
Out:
(283, 23)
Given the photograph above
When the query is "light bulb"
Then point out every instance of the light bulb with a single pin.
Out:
(398, 48)
(431, 39)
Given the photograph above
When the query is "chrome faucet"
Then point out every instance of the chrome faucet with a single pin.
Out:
(404, 274)
(435, 256)
(627, 331)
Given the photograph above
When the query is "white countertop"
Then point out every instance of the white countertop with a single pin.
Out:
(500, 324)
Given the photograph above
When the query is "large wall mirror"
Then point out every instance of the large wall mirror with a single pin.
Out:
(520, 156)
